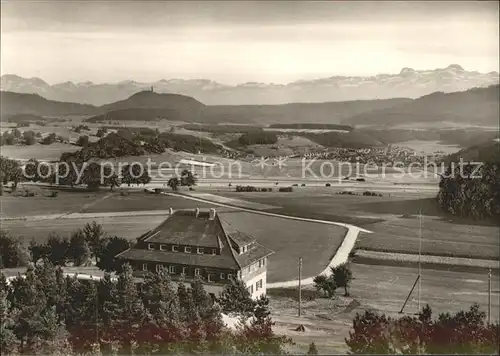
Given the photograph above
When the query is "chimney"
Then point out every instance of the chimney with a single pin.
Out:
(170, 211)
(211, 214)
(197, 212)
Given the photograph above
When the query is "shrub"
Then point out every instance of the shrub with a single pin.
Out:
(28, 193)
(248, 188)
(303, 185)
(328, 185)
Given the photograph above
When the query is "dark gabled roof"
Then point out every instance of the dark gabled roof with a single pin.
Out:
(194, 228)
(255, 253)
(185, 228)
(224, 260)
(240, 238)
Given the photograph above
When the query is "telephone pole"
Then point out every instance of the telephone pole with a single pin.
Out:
(300, 285)
(489, 296)
(419, 260)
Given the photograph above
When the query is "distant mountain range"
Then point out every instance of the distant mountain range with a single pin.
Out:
(408, 83)
(477, 106)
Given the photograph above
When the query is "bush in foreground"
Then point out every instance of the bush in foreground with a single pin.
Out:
(465, 332)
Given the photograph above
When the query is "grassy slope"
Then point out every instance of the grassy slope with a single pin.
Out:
(383, 216)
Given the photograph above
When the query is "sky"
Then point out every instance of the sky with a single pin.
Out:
(234, 42)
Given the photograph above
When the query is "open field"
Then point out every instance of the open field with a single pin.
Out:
(393, 219)
(38, 151)
(382, 289)
(41, 204)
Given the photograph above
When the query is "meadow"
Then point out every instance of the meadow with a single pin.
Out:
(393, 219)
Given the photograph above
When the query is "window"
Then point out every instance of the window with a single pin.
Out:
(222, 276)
(260, 263)
(229, 276)
(162, 247)
(250, 289)
(172, 269)
(175, 248)
(151, 247)
(144, 266)
(214, 251)
(196, 271)
(187, 249)
(264, 261)
(158, 268)
(200, 250)
(184, 270)
(209, 277)
(258, 285)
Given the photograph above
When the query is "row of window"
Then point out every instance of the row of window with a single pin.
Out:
(258, 286)
(183, 270)
(186, 249)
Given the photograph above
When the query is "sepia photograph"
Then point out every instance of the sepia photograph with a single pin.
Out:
(249, 177)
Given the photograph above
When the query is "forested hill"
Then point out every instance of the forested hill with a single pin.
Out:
(483, 152)
(472, 190)
(478, 106)
(15, 103)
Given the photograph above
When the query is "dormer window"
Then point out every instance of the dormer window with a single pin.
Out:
(200, 250)
(187, 249)
(162, 247)
(175, 248)
(151, 247)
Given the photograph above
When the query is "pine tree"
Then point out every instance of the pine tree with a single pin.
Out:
(313, 350)
(28, 299)
(93, 234)
(258, 337)
(162, 328)
(8, 341)
(127, 310)
(209, 312)
(81, 310)
(235, 299)
(79, 250)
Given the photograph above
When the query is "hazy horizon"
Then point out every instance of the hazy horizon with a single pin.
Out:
(239, 42)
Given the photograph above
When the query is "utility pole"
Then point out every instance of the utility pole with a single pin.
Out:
(300, 285)
(419, 260)
(489, 296)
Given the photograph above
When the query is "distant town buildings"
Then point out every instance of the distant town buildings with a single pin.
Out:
(197, 243)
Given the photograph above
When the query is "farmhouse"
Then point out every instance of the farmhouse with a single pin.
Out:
(194, 243)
